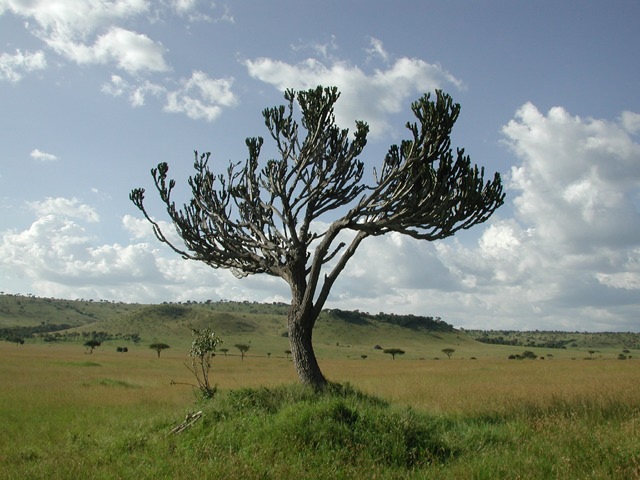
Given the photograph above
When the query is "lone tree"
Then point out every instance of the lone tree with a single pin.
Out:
(91, 344)
(393, 352)
(448, 352)
(288, 217)
(243, 347)
(158, 347)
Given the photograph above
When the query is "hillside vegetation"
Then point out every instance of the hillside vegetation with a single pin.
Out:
(338, 333)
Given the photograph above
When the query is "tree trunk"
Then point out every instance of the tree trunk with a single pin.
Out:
(300, 324)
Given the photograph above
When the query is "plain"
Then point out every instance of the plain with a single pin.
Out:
(66, 414)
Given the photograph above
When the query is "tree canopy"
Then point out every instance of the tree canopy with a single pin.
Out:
(158, 347)
(284, 217)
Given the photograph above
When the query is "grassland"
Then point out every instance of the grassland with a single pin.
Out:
(68, 414)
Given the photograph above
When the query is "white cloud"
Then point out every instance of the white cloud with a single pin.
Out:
(13, 66)
(576, 183)
(366, 96)
(183, 6)
(376, 49)
(569, 260)
(131, 51)
(68, 27)
(631, 122)
(43, 156)
(198, 97)
(136, 92)
(201, 97)
(64, 208)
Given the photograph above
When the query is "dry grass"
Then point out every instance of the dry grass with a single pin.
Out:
(489, 385)
(561, 415)
(63, 374)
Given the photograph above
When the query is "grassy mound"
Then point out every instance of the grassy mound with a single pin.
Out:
(292, 429)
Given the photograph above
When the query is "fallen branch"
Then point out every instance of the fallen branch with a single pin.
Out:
(189, 420)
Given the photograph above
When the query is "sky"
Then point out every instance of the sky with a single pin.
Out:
(95, 93)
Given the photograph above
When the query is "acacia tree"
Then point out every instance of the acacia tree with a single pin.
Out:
(243, 347)
(448, 352)
(158, 347)
(393, 352)
(91, 344)
(260, 218)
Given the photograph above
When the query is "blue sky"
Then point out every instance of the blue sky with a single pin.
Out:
(94, 93)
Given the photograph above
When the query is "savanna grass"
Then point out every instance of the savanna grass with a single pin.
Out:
(66, 414)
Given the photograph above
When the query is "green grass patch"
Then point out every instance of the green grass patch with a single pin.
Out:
(290, 431)
(110, 382)
(81, 364)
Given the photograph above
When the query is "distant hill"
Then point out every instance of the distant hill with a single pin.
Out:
(264, 326)
(557, 339)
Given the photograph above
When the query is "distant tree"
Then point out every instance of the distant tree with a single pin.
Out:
(158, 347)
(224, 350)
(591, 352)
(393, 352)
(287, 353)
(91, 344)
(16, 340)
(257, 219)
(243, 347)
(448, 352)
(364, 357)
(269, 354)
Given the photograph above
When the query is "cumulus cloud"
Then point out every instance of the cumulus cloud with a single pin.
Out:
(88, 32)
(198, 97)
(201, 97)
(64, 207)
(571, 256)
(60, 254)
(569, 259)
(366, 96)
(631, 122)
(13, 66)
(577, 179)
(136, 92)
(43, 156)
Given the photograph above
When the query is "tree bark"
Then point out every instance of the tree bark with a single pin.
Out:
(300, 339)
(301, 320)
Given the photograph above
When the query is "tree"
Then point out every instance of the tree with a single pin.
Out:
(244, 348)
(448, 352)
(302, 216)
(224, 350)
(203, 349)
(91, 344)
(393, 352)
(158, 347)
